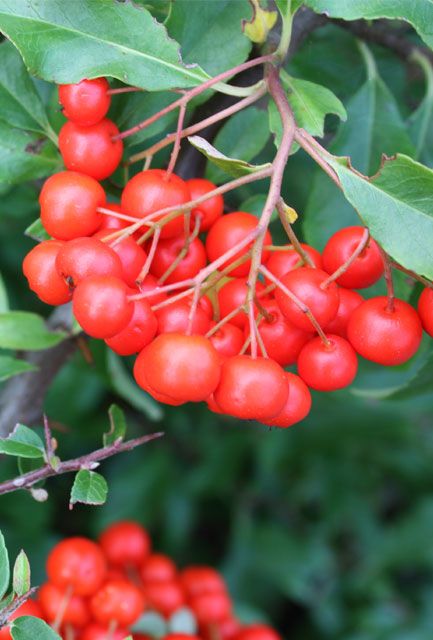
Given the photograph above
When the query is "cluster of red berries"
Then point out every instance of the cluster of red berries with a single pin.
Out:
(98, 591)
(131, 272)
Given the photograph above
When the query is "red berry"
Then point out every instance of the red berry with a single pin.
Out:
(233, 294)
(328, 367)
(125, 543)
(69, 202)
(366, 269)
(164, 597)
(152, 190)
(29, 608)
(228, 340)
(85, 102)
(83, 257)
(91, 150)
(211, 608)
(132, 257)
(227, 232)
(101, 306)
(281, 262)
(306, 284)
(158, 568)
(178, 636)
(383, 335)
(54, 599)
(257, 632)
(39, 267)
(117, 600)
(174, 318)
(140, 330)
(99, 632)
(227, 629)
(425, 310)
(77, 563)
(197, 579)
(112, 222)
(298, 404)
(149, 284)
(185, 368)
(167, 252)
(349, 301)
(209, 210)
(253, 389)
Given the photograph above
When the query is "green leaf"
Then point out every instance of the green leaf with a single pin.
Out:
(117, 425)
(20, 104)
(232, 166)
(37, 231)
(21, 575)
(64, 42)
(420, 123)
(23, 330)
(255, 205)
(25, 155)
(374, 126)
(311, 103)
(10, 367)
(419, 384)
(23, 442)
(89, 488)
(152, 624)
(397, 206)
(29, 628)
(4, 302)
(183, 621)
(129, 391)
(4, 567)
(419, 13)
(244, 136)
(210, 32)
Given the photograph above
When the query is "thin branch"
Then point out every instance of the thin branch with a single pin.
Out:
(344, 267)
(388, 279)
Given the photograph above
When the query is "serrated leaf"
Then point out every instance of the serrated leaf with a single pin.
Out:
(255, 205)
(244, 136)
(232, 166)
(183, 621)
(65, 42)
(419, 13)
(117, 425)
(21, 575)
(204, 28)
(123, 384)
(4, 567)
(152, 624)
(29, 628)
(22, 442)
(26, 331)
(25, 155)
(37, 231)
(89, 488)
(397, 206)
(10, 367)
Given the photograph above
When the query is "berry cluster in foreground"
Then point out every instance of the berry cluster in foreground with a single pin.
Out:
(155, 277)
(99, 591)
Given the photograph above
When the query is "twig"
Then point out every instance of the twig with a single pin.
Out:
(177, 139)
(388, 279)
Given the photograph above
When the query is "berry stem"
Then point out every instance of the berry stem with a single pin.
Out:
(182, 253)
(344, 267)
(177, 139)
(388, 279)
(312, 151)
(306, 259)
(411, 274)
(114, 92)
(145, 270)
(62, 607)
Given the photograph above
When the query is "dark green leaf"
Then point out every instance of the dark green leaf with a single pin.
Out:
(232, 166)
(65, 42)
(10, 367)
(23, 330)
(244, 135)
(255, 205)
(4, 567)
(4, 302)
(117, 425)
(37, 231)
(23, 442)
(29, 628)
(21, 575)
(89, 488)
(420, 383)
(420, 123)
(210, 32)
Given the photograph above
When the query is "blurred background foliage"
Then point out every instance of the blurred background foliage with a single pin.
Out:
(324, 529)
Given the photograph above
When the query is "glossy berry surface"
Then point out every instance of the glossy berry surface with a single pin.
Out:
(85, 102)
(349, 301)
(297, 406)
(125, 543)
(174, 318)
(117, 600)
(168, 251)
(52, 598)
(209, 210)
(77, 563)
(425, 310)
(281, 262)
(39, 267)
(228, 340)
(328, 367)
(234, 294)
(140, 330)
(83, 257)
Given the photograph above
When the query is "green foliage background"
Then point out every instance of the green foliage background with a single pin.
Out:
(324, 529)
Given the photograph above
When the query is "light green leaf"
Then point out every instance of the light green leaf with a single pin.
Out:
(127, 389)
(152, 624)
(20, 104)
(25, 155)
(29, 628)
(10, 367)
(64, 42)
(37, 231)
(204, 28)
(397, 206)
(183, 621)
(244, 135)
(419, 13)
(4, 567)
(21, 575)
(4, 302)
(23, 330)
(89, 488)
(117, 425)
(232, 166)
(23, 442)
(420, 123)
